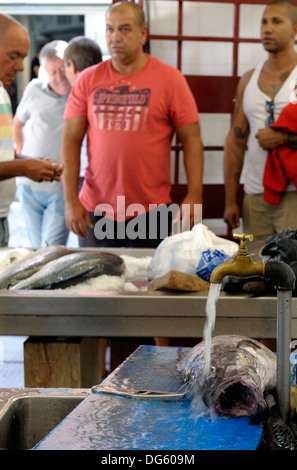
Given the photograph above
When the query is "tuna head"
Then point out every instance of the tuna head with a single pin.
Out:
(238, 394)
(241, 369)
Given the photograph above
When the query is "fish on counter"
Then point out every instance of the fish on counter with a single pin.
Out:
(241, 370)
(72, 269)
(30, 264)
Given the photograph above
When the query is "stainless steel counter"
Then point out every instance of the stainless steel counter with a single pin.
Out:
(21, 408)
(141, 314)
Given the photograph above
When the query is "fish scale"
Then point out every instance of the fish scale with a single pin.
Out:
(30, 264)
(71, 269)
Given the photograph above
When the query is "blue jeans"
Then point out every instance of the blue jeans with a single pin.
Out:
(44, 215)
(4, 233)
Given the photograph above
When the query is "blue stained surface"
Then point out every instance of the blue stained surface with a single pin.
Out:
(107, 421)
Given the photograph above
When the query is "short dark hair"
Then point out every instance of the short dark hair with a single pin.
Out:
(290, 7)
(83, 51)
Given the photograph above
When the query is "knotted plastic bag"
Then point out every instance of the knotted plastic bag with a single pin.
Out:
(197, 252)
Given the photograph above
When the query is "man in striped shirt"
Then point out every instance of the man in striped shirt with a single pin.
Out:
(14, 47)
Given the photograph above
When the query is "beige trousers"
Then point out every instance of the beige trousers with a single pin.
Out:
(263, 219)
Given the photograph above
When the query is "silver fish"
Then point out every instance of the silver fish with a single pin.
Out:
(30, 264)
(241, 370)
(72, 269)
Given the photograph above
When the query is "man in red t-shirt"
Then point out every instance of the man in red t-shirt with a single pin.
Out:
(130, 106)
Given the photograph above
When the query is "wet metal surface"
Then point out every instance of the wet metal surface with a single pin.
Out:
(106, 421)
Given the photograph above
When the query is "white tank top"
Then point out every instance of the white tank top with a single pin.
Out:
(254, 101)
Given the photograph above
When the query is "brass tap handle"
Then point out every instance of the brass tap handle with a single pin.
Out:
(242, 237)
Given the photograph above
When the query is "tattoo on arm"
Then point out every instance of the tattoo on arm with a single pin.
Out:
(240, 133)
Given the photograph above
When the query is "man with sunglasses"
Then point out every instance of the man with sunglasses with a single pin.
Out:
(261, 95)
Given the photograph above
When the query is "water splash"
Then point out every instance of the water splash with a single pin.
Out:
(210, 310)
(198, 370)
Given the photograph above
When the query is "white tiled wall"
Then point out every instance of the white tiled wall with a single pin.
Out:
(214, 128)
(162, 16)
(165, 51)
(206, 19)
(206, 57)
(249, 55)
(249, 20)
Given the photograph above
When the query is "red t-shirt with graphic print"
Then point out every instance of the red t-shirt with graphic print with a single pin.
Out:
(131, 122)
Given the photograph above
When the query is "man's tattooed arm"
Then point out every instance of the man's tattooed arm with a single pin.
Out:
(241, 133)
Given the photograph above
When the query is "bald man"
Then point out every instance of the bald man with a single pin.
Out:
(14, 47)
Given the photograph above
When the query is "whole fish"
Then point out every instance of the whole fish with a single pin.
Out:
(72, 269)
(241, 370)
(30, 264)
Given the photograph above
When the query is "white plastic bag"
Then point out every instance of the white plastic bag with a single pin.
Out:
(197, 251)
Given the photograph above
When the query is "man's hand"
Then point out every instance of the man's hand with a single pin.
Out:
(59, 167)
(78, 219)
(232, 215)
(269, 138)
(42, 169)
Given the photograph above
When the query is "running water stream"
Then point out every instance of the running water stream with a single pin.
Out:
(210, 310)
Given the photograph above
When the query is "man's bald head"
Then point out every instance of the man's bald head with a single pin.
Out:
(14, 47)
(7, 22)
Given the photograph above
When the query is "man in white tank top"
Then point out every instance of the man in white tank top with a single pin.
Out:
(261, 95)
